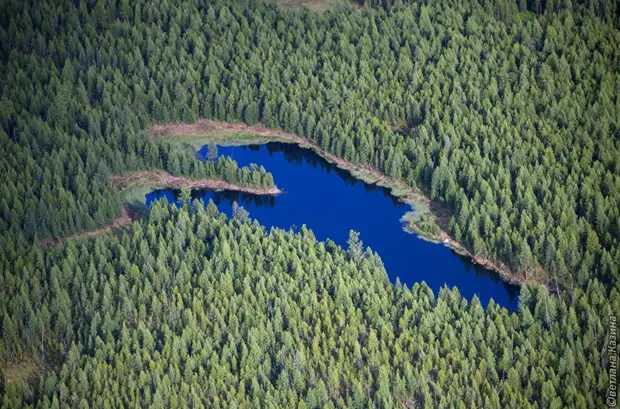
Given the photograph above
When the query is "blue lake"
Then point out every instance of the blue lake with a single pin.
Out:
(330, 202)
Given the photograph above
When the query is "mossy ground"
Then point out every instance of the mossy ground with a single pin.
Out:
(25, 371)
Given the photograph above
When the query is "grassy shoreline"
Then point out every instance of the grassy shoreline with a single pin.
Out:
(135, 185)
(160, 179)
(208, 131)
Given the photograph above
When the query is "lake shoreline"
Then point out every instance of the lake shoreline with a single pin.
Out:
(163, 179)
(205, 130)
(156, 179)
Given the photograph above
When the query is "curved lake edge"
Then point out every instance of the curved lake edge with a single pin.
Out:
(205, 131)
(133, 186)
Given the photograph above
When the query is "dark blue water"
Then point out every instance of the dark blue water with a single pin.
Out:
(330, 202)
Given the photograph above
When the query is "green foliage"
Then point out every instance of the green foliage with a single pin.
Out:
(425, 224)
(512, 114)
(510, 119)
(193, 309)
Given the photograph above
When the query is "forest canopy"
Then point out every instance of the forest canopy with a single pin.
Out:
(513, 124)
(194, 310)
(506, 112)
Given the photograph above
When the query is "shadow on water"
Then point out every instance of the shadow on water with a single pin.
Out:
(485, 274)
(330, 202)
(300, 156)
(239, 197)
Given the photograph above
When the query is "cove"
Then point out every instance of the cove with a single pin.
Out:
(330, 202)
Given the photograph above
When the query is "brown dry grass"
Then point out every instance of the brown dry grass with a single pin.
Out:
(158, 178)
(164, 179)
(318, 6)
(400, 128)
(123, 220)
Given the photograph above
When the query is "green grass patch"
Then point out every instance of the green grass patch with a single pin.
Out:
(221, 138)
(135, 196)
(420, 221)
(363, 176)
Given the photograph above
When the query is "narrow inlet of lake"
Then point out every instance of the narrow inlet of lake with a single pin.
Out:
(330, 202)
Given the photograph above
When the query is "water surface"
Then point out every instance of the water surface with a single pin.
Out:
(330, 202)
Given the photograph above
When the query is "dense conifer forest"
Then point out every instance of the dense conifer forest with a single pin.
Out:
(194, 310)
(511, 120)
(506, 112)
